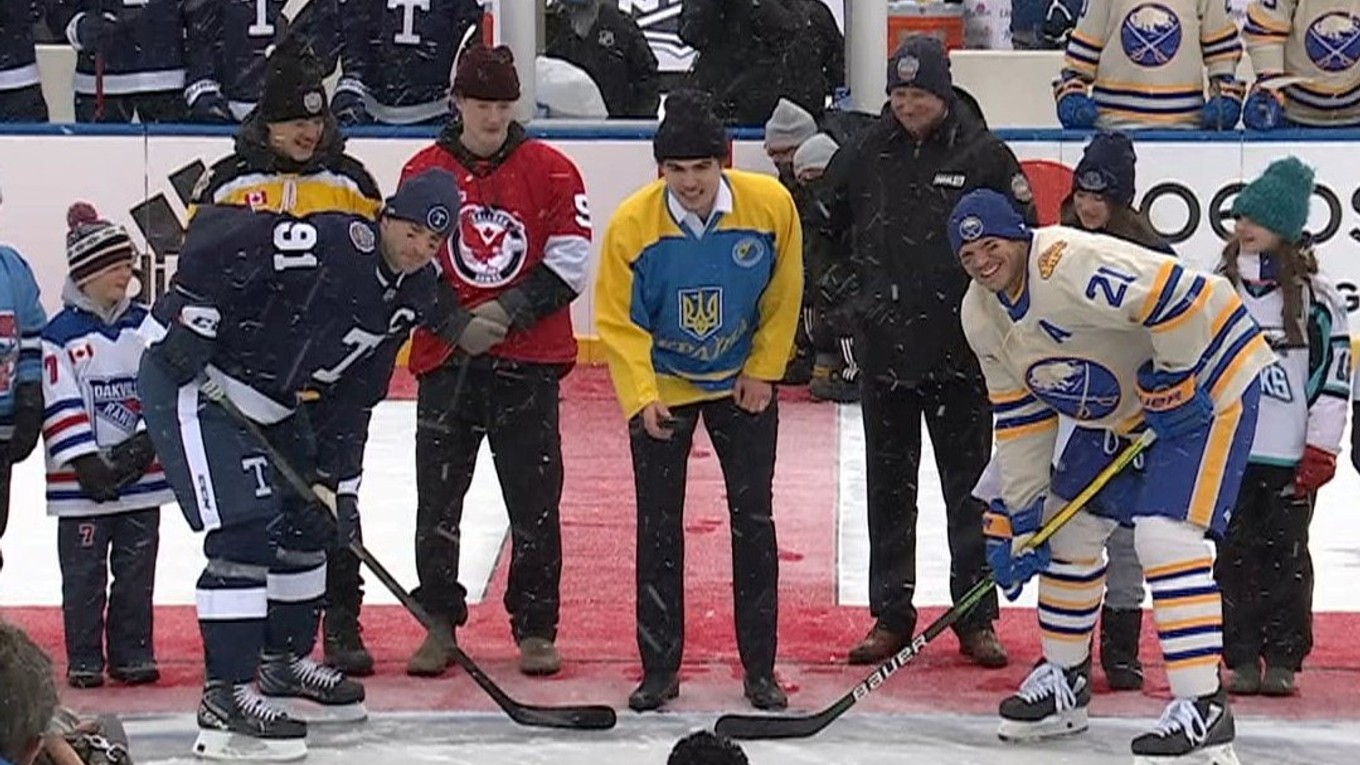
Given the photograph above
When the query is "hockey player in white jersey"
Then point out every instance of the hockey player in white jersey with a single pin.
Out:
(1305, 55)
(1135, 64)
(1264, 566)
(1119, 338)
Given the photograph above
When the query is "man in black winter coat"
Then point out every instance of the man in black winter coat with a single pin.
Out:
(606, 44)
(894, 188)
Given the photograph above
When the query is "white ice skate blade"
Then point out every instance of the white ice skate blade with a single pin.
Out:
(1054, 726)
(226, 746)
(1222, 754)
(313, 713)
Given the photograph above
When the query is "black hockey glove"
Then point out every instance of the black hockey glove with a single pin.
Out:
(349, 109)
(95, 31)
(28, 417)
(211, 109)
(96, 478)
(130, 459)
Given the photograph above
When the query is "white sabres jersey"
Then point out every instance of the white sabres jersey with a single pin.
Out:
(1304, 393)
(1092, 310)
(1147, 61)
(1314, 46)
(90, 393)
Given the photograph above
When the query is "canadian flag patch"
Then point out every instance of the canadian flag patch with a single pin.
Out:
(256, 199)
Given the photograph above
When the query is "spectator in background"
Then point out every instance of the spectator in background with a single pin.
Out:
(130, 58)
(753, 52)
(30, 696)
(1310, 45)
(706, 748)
(607, 43)
(21, 96)
(894, 189)
(786, 130)
(227, 44)
(1043, 24)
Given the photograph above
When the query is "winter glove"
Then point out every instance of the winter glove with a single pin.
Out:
(1264, 110)
(1076, 109)
(1172, 402)
(480, 335)
(95, 477)
(1317, 467)
(94, 31)
(348, 104)
(493, 310)
(1007, 534)
(130, 459)
(207, 105)
(1224, 107)
(1355, 435)
(28, 419)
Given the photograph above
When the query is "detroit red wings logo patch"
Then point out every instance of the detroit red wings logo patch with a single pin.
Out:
(492, 245)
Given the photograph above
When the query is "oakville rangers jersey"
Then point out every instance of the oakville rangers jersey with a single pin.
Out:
(1147, 60)
(1092, 310)
(1304, 393)
(90, 390)
(1313, 45)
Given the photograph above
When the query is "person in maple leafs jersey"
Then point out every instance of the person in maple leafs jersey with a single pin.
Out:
(519, 261)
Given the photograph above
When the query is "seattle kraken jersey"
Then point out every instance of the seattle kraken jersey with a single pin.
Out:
(227, 41)
(21, 324)
(399, 53)
(1147, 60)
(1304, 393)
(1313, 45)
(18, 59)
(1092, 310)
(145, 51)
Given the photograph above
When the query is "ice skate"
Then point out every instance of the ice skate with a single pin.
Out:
(1190, 732)
(1051, 702)
(313, 692)
(236, 723)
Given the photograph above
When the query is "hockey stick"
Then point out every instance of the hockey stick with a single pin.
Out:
(586, 717)
(741, 726)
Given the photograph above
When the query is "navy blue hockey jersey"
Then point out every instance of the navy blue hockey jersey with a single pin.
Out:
(294, 304)
(143, 50)
(227, 41)
(399, 54)
(18, 60)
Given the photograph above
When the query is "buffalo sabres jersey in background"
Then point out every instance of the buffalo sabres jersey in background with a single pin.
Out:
(1092, 310)
(1313, 45)
(90, 391)
(1147, 59)
(21, 324)
(1303, 394)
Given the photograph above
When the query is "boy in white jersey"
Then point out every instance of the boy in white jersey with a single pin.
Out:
(1118, 338)
(1306, 54)
(102, 481)
(1264, 566)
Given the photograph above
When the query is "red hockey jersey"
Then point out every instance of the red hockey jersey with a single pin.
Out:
(523, 209)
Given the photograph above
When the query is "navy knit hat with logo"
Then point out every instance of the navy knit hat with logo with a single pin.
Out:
(1107, 168)
(985, 213)
(292, 83)
(430, 198)
(94, 245)
(921, 62)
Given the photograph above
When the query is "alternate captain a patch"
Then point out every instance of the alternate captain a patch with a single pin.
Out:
(1079, 388)
(701, 311)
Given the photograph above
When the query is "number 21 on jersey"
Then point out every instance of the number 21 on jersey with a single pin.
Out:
(1109, 285)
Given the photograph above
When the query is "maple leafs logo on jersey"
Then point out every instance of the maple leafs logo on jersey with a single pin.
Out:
(492, 245)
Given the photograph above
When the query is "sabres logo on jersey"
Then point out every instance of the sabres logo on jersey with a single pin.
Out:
(492, 245)
(1333, 41)
(1151, 35)
(701, 311)
(1079, 388)
(117, 409)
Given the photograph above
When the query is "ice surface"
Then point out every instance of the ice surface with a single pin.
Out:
(854, 740)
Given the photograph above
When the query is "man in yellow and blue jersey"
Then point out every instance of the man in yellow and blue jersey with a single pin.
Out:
(698, 299)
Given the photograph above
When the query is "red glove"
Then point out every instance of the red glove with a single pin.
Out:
(1317, 467)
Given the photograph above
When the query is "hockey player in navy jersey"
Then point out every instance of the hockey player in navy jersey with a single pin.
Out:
(226, 45)
(130, 58)
(102, 483)
(262, 306)
(398, 59)
(21, 97)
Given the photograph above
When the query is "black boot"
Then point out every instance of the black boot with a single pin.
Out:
(656, 689)
(763, 692)
(343, 642)
(1119, 633)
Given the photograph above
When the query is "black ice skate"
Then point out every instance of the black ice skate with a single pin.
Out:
(1051, 702)
(236, 723)
(314, 692)
(1191, 732)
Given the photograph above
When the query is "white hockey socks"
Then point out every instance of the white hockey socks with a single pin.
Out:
(1179, 568)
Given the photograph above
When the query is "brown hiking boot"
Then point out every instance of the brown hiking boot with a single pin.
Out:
(877, 646)
(984, 648)
(538, 656)
(435, 654)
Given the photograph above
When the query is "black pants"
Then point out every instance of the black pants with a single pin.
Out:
(745, 445)
(89, 550)
(160, 106)
(959, 417)
(23, 105)
(515, 406)
(1266, 573)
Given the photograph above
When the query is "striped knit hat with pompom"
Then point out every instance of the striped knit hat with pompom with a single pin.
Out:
(94, 245)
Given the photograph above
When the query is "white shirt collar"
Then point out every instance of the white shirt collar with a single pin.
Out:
(721, 205)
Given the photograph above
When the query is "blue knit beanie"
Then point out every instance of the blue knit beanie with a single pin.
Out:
(921, 61)
(1106, 168)
(1278, 200)
(982, 213)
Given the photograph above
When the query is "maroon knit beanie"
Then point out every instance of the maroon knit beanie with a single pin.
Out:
(487, 74)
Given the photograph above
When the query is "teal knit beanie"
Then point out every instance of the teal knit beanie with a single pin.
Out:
(1278, 200)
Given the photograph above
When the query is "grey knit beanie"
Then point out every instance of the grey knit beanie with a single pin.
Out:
(815, 153)
(788, 127)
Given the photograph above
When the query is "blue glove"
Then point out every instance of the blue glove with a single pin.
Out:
(348, 104)
(1263, 110)
(1173, 402)
(1224, 107)
(1007, 534)
(1077, 111)
(347, 527)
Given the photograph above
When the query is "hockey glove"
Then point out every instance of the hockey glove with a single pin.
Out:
(1007, 534)
(187, 347)
(1317, 467)
(1263, 110)
(1173, 402)
(210, 108)
(93, 31)
(28, 419)
(95, 477)
(1076, 109)
(480, 335)
(129, 460)
(1224, 107)
(349, 109)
